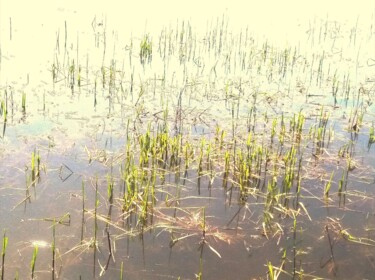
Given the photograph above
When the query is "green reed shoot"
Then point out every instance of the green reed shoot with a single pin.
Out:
(226, 168)
(110, 189)
(289, 161)
(112, 74)
(131, 187)
(71, 74)
(122, 271)
(4, 110)
(23, 102)
(175, 143)
(5, 245)
(249, 144)
(259, 154)
(319, 136)
(188, 154)
(271, 273)
(328, 185)
(153, 183)
(79, 77)
(300, 123)
(371, 135)
(299, 178)
(243, 173)
(33, 261)
(35, 166)
(54, 72)
(272, 191)
(273, 130)
(144, 206)
(200, 158)
(320, 130)
(145, 53)
(33, 172)
(341, 181)
(110, 198)
(103, 71)
(199, 276)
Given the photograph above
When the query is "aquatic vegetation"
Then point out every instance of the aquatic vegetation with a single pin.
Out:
(33, 261)
(145, 53)
(371, 139)
(210, 140)
(3, 251)
(23, 102)
(327, 186)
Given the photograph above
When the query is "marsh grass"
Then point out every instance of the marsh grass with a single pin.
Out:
(268, 155)
(273, 167)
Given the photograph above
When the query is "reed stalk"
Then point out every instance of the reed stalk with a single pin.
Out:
(33, 261)
(5, 245)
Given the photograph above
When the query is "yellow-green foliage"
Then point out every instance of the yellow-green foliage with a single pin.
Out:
(146, 50)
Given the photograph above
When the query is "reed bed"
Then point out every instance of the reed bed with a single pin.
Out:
(190, 121)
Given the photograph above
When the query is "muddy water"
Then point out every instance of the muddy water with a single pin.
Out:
(81, 132)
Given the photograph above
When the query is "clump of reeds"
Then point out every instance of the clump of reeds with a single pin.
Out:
(145, 53)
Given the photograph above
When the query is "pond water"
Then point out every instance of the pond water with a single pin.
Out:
(185, 149)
